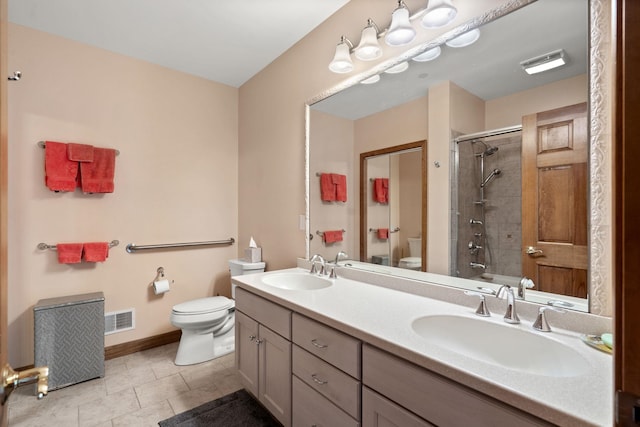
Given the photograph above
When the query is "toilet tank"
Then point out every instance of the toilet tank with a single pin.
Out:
(415, 249)
(238, 267)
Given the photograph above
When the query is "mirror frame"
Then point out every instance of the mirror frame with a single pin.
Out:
(364, 179)
(601, 75)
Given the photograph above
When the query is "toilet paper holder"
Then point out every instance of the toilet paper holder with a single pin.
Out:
(160, 274)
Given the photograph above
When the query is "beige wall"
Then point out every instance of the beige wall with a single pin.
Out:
(176, 181)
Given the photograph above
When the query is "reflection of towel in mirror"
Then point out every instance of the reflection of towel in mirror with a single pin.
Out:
(340, 183)
(332, 236)
(381, 190)
(327, 188)
(383, 233)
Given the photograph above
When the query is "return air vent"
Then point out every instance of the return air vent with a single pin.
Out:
(119, 321)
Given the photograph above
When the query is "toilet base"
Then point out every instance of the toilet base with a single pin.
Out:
(198, 348)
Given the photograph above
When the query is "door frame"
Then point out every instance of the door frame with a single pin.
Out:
(626, 230)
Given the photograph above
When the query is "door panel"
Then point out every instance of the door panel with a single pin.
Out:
(3, 194)
(554, 200)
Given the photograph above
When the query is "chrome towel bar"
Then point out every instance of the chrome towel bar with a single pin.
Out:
(44, 246)
(42, 144)
(132, 247)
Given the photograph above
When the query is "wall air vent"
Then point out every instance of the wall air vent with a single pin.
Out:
(119, 321)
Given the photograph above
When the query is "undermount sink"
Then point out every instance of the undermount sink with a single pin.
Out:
(502, 345)
(296, 281)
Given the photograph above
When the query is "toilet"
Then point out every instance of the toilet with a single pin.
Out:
(208, 323)
(414, 260)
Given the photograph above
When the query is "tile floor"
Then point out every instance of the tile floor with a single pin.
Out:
(139, 389)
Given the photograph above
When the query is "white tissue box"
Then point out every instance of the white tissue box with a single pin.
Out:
(253, 254)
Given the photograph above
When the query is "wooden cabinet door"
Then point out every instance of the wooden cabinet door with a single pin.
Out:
(554, 200)
(380, 412)
(274, 369)
(247, 351)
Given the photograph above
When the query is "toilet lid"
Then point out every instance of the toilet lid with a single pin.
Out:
(203, 305)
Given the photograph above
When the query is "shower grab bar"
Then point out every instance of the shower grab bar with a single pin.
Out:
(44, 246)
(42, 144)
(132, 247)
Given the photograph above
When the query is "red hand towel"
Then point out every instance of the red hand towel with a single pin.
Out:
(60, 172)
(332, 236)
(379, 190)
(96, 251)
(327, 188)
(97, 176)
(80, 152)
(383, 233)
(69, 253)
(340, 183)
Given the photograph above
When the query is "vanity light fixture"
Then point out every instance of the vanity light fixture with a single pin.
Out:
(341, 62)
(400, 32)
(465, 39)
(544, 62)
(369, 49)
(438, 13)
(397, 68)
(371, 80)
(428, 55)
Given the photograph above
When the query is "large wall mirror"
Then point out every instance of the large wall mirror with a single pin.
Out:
(493, 116)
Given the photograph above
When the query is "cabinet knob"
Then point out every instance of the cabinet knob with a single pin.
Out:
(259, 341)
(252, 337)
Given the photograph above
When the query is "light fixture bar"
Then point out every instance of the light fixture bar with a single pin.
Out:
(545, 62)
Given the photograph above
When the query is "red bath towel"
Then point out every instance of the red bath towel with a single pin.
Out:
(381, 190)
(383, 233)
(60, 172)
(69, 253)
(332, 236)
(327, 188)
(96, 251)
(80, 152)
(340, 183)
(97, 176)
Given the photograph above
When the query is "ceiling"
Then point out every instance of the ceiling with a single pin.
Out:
(227, 41)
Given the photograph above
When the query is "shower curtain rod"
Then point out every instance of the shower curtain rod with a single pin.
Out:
(488, 133)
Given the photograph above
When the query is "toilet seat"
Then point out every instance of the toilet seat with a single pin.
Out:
(203, 306)
(412, 262)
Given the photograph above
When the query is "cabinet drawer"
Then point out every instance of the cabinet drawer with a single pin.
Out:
(273, 316)
(378, 411)
(311, 409)
(339, 349)
(332, 383)
(435, 398)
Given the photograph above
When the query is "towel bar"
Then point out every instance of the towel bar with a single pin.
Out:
(320, 233)
(44, 246)
(132, 247)
(42, 144)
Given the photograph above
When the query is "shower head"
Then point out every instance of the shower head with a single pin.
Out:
(489, 177)
(488, 149)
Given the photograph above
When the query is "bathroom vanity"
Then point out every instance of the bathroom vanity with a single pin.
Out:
(347, 352)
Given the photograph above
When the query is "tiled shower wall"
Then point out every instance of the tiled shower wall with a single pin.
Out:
(502, 208)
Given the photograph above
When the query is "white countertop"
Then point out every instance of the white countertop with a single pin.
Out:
(383, 317)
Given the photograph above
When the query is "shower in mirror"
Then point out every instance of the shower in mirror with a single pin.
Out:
(487, 202)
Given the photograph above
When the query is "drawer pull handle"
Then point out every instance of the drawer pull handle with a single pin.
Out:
(317, 380)
(252, 337)
(315, 343)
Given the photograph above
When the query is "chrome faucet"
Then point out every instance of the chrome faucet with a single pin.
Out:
(314, 269)
(334, 274)
(541, 323)
(510, 316)
(13, 379)
(524, 284)
(477, 265)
